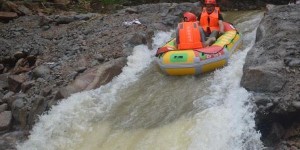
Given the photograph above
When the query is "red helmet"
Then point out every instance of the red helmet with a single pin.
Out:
(189, 17)
(210, 2)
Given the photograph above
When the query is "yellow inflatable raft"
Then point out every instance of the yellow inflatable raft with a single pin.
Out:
(173, 61)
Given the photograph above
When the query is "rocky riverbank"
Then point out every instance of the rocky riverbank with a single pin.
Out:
(272, 72)
(46, 58)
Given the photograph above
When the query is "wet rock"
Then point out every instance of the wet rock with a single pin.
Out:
(93, 78)
(16, 96)
(59, 82)
(66, 92)
(294, 148)
(46, 27)
(1, 68)
(38, 107)
(171, 20)
(15, 82)
(94, 63)
(27, 85)
(137, 39)
(64, 19)
(20, 112)
(8, 96)
(35, 52)
(99, 57)
(72, 75)
(19, 55)
(9, 6)
(18, 103)
(31, 60)
(131, 10)
(62, 2)
(81, 69)
(160, 26)
(293, 131)
(1, 97)
(276, 133)
(271, 69)
(261, 99)
(24, 10)
(21, 66)
(149, 38)
(294, 62)
(41, 80)
(270, 6)
(45, 20)
(41, 72)
(19, 9)
(84, 48)
(8, 140)
(5, 120)
(46, 91)
(5, 16)
(296, 104)
(261, 80)
(7, 60)
(3, 85)
(84, 16)
(3, 108)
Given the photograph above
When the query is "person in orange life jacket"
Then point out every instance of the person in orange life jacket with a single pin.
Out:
(189, 34)
(212, 21)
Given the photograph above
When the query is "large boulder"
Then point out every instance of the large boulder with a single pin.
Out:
(3, 81)
(5, 120)
(41, 72)
(15, 82)
(259, 79)
(93, 78)
(38, 108)
(271, 73)
(3, 107)
(6, 16)
(20, 112)
(19, 9)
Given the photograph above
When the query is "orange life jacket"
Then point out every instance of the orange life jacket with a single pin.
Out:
(189, 36)
(213, 23)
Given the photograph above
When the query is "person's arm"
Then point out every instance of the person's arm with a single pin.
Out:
(221, 25)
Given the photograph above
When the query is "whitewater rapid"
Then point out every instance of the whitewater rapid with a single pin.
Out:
(144, 109)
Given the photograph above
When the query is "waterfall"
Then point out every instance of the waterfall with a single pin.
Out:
(144, 109)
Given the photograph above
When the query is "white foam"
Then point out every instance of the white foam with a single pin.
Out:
(228, 123)
(62, 127)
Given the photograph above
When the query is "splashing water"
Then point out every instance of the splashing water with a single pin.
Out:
(228, 123)
(143, 109)
(62, 127)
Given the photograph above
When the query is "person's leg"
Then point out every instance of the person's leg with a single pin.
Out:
(203, 34)
(212, 38)
(214, 34)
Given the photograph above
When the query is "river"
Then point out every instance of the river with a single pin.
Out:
(142, 109)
